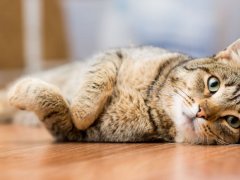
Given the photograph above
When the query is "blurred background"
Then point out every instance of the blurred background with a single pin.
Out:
(38, 34)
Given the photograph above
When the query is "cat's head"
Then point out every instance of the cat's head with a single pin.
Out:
(205, 98)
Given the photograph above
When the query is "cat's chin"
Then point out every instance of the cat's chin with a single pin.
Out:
(189, 132)
(186, 130)
(185, 127)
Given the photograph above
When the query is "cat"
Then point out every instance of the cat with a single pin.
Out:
(140, 94)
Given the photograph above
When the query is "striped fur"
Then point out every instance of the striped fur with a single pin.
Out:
(135, 95)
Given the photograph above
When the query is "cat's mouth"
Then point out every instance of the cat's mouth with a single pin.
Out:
(189, 119)
(197, 113)
(186, 128)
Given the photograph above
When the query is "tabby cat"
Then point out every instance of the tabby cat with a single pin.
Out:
(138, 95)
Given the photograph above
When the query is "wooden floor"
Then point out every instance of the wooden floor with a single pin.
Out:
(30, 153)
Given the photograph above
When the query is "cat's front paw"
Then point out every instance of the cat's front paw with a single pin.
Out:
(15, 94)
(21, 95)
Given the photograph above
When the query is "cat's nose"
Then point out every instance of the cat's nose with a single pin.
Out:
(201, 113)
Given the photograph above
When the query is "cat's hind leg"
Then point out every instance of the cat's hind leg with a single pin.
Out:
(95, 90)
(49, 105)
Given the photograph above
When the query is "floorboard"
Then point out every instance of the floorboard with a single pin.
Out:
(31, 153)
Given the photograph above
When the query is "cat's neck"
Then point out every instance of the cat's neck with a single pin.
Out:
(160, 119)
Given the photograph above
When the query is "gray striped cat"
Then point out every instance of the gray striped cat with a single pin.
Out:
(138, 95)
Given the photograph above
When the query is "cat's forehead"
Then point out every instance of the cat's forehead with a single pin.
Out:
(229, 74)
(226, 71)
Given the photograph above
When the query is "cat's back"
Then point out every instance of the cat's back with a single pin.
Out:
(140, 65)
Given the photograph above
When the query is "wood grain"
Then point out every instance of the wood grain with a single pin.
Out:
(30, 153)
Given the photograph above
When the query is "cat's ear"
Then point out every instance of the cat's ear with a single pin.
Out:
(231, 53)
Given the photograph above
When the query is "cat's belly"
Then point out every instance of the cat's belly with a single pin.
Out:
(124, 120)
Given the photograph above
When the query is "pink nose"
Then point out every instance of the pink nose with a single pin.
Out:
(201, 113)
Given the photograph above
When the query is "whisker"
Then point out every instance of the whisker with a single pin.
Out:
(170, 95)
(217, 138)
(223, 139)
(187, 106)
(204, 134)
(197, 132)
(183, 97)
(198, 136)
(189, 97)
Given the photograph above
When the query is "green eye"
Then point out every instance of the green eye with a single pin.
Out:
(213, 84)
(233, 121)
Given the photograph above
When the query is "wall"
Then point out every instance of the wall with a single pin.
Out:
(32, 37)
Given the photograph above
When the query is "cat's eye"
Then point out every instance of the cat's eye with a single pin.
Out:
(233, 121)
(213, 84)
